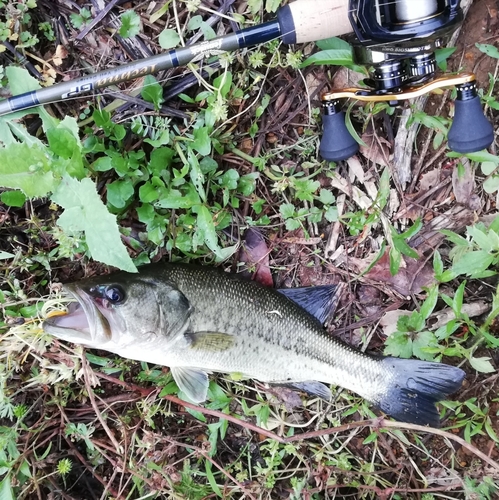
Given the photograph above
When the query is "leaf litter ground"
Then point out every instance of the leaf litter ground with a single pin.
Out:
(124, 440)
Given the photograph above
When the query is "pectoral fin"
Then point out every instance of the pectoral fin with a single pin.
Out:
(194, 383)
(311, 387)
(211, 341)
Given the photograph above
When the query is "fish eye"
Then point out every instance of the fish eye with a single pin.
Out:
(114, 294)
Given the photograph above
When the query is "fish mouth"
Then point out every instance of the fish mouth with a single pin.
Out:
(84, 321)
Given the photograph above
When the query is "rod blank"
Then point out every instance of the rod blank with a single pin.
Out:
(298, 22)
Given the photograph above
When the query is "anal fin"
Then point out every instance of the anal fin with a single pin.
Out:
(311, 387)
(193, 382)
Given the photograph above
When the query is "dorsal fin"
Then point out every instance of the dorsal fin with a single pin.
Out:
(319, 301)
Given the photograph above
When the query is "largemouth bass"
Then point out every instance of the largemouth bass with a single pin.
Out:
(199, 320)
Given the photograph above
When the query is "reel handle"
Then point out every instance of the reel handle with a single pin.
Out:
(337, 142)
(470, 130)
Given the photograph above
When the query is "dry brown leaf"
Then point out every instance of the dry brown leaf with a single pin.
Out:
(376, 149)
(463, 183)
(255, 254)
(60, 54)
(472, 309)
(413, 274)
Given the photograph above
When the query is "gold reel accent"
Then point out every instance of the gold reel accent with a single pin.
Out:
(368, 95)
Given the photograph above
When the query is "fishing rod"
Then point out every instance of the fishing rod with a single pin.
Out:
(395, 39)
(299, 22)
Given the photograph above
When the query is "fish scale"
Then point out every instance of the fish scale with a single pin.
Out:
(199, 320)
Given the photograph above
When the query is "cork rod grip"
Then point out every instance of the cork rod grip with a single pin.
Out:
(319, 19)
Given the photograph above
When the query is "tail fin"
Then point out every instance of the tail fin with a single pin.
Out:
(417, 387)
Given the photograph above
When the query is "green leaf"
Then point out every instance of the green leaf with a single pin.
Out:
(488, 167)
(205, 231)
(130, 24)
(491, 185)
(457, 303)
(202, 141)
(196, 175)
(473, 262)
(482, 365)
(441, 56)
(401, 245)
(333, 43)
(247, 183)
(479, 156)
(85, 211)
(424, 340)
(6, 492)
(438, 265)
(372, 437)
(326, 197)
(20, 81)
(398, 344)
(13, 198)
(27, 168)
(333, 57)
(152, 91)
(413, 230)
(168, 39)
(480, 238)
(287, 210)
(331, 214)
(395, 259)
(119, 192)
(187, 198)
(103, 164)
(430, 302)
(490, 50)
(455, 238)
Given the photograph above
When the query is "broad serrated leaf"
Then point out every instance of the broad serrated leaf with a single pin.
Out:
(20, 81)
(27, 168)
(130, 24)
(85, 211)
(287, 210)
(421, 341)
(326, 197)
(398, 344)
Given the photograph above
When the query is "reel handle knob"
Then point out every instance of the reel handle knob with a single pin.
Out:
(337, 143)
(470, 130)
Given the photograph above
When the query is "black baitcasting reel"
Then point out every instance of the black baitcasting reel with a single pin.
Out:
(397, 40)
